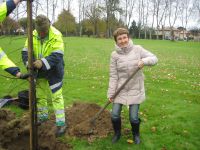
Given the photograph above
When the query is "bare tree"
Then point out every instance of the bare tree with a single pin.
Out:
(142, 13)
(54, 6)
(164, 17)
(47, 6)
(69, 2)
(81, 10)
(145, 17)
(153, 12)
(196, 10)
(111, 7)
(36, 7)
(93, 13)
(197, 2)
(128, 10)
(19, 11)
(185, 8)
(173, 14)
(63, 4)
(161, 7)
(139, 18)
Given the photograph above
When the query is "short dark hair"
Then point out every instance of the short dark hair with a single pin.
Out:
(120, 31)
(42, 23)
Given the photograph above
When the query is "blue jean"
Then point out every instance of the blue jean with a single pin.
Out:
(133, 112)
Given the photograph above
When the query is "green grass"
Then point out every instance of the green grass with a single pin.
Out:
(172, 88)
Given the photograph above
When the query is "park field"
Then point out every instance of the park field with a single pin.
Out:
(171, 113)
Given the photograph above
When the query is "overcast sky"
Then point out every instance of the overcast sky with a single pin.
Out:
(74, 9)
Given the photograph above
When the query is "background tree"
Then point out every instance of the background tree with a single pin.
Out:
(87, 27)
(81, 17)
(110, 7)
(139, 17)
(185, 12)
(36, 7)
(161, 7)
(146, 16)
(66, 23)
(69, 2)
(115, 23)
(173, 14)
(54, 6)
(47, 7)
(153, 12)
(128, 7)
(9, 25)
(102, 28)
(133, 30)
(93, 12)
(197, 7)
(23, 23)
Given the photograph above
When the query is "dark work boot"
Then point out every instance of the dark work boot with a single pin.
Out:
(136, 132)
(117, 129)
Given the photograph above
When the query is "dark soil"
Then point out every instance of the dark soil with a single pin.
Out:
(14, 132)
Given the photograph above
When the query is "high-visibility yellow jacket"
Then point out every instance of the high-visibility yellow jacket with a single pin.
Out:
(5, 63)
(6, 8)
(3, 11)
(51, 51)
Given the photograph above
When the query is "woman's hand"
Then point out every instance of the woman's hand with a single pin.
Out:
(140, 64)
(110, 99)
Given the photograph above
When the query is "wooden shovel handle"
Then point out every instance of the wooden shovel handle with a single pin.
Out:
(114, 96)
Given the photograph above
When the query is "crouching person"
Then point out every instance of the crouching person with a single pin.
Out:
(48, 51)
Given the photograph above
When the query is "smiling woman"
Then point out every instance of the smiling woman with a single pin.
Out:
(127, 58)
(122, 40)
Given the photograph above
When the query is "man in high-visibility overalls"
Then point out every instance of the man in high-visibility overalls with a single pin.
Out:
(48, 52)
(5, 63)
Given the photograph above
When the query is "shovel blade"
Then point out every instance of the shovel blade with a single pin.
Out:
(3, 102)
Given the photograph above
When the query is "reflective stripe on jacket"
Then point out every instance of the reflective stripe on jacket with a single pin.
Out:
(51, 53)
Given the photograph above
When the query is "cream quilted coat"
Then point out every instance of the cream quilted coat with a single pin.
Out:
(123, 62)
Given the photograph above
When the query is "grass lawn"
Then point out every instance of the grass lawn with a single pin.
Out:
(170, 114)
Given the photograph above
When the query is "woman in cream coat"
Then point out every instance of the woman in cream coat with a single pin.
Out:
(126, 58)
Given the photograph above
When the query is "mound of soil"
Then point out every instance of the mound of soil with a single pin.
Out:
(15, 131)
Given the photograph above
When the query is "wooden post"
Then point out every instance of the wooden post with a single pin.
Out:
(32, 91)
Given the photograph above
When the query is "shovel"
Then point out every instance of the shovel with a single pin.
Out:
(113, 97)
(21, 101)
(4, 101)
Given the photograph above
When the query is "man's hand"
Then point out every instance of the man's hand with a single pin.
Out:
(140, 64)
(18, 74)
(37, 64)
(22, 76)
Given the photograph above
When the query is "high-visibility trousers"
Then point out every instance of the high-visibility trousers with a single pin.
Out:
(43, 94)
